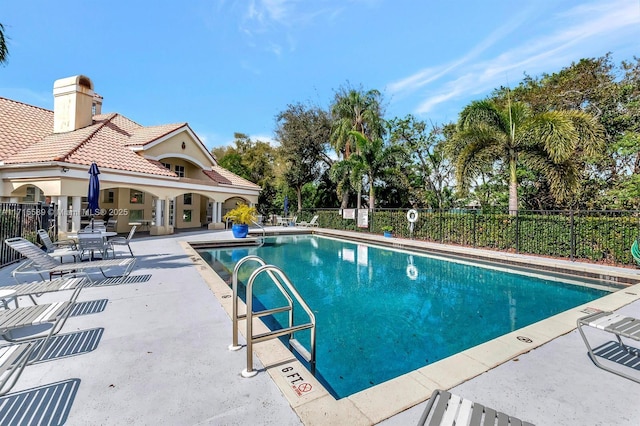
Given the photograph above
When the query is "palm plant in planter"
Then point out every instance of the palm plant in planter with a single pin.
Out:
(242, 216)
(387, 230)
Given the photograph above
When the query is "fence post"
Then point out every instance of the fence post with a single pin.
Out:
(517, 231)
(573, 236)
(475, 224)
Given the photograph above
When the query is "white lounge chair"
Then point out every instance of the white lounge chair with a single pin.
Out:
(37, 288)
(446, 409)
(313, 222)
(43, 264)
(620, 326)
(15, 357)
(59, 248)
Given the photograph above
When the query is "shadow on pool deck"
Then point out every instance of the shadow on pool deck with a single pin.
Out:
(163, 359)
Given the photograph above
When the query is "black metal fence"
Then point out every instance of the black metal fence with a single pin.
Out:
(594, 236)
(23, 220)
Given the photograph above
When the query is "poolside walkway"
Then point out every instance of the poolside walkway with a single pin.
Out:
(161, 358)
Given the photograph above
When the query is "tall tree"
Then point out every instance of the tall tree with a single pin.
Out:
(255, 161)
(425, 148)
(611, 93)
(373, 158)
(546, 142)
(4, 50)
(359, 111)
(303, 133)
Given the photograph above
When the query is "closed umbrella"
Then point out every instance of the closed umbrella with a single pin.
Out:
(94, 190)
(286, 205)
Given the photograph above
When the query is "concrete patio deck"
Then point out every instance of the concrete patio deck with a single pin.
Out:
(162, 358)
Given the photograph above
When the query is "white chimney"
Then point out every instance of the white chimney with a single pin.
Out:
(97, 104)
(72, 103)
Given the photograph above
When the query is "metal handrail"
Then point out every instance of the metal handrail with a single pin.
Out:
(264, 232)
(271, 270)
(235, 317)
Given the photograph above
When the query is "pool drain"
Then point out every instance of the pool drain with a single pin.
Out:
(525, 339)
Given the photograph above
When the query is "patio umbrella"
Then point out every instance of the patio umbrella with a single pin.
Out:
(94, 190)
(286, 205)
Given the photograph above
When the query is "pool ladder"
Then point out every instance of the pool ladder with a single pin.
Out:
(279, 278)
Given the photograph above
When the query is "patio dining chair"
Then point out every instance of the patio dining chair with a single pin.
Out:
(121, 241)
(91, 242)
(112, 224)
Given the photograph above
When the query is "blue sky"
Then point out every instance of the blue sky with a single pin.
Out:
(228, 66)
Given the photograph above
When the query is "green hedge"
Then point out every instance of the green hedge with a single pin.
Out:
(604, 237)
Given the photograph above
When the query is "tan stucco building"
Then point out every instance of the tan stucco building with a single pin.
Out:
(160, 176)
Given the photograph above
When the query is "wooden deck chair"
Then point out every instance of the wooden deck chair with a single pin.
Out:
(446, 409)
(48, 267)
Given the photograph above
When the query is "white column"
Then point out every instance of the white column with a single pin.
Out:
(158, 210)
(219, 212)
(76, 206)
(62, 214)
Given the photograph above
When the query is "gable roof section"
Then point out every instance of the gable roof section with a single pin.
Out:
(26, 137)
(103, 142)
(21, 125)
(145, 135)
(225, 177)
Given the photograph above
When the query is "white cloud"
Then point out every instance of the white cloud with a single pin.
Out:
(579, 29)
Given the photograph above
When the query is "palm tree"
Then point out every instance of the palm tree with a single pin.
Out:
(354, 110)
(4, 51)
(372, 159)
(549, 143)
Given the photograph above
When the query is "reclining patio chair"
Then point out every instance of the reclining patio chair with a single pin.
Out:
(620, 326)
(311, 223)
(59, 248)
(445, 409)
(41, 263)
(37, 288)
(15, 357)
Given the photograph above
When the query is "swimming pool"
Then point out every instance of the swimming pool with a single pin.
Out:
(382, 313)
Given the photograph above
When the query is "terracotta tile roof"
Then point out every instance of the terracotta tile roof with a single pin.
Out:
(26, 137)
(104, 143)
(145, 135)
(225, 177)
(21, 125)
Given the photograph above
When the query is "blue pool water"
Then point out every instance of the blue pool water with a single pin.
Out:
(382, 313)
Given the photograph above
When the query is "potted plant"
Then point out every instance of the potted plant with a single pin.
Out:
(387, 230)
(242, 216)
